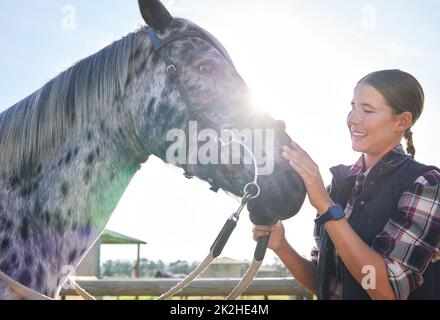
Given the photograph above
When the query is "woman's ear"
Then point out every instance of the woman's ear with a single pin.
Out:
(404, 121)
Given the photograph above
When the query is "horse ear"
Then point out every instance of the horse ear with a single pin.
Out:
(155, 14)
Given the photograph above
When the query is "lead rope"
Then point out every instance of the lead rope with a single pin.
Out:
(224, 235)
(30, 294)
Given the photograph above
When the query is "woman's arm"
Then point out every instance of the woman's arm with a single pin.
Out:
(303, 270)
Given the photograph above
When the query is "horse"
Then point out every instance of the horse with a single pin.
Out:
(70, 149)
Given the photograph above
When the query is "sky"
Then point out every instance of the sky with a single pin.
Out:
(301, 59)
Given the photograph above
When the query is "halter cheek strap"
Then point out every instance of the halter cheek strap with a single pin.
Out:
(170, 68)
(173, 74)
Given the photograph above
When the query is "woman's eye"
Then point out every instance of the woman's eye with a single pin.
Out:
(208, 68)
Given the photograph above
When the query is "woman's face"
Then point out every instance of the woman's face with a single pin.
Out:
(374, 129)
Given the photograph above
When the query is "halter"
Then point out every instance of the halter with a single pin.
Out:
(223, 237)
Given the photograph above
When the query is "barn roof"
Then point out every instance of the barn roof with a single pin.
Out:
(112, 237)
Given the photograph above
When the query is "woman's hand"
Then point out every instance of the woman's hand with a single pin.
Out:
(309, 172)
(277, 235)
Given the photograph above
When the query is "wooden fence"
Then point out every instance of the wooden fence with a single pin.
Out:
(200, 287)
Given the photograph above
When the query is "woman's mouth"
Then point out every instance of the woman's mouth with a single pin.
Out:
(357, 134)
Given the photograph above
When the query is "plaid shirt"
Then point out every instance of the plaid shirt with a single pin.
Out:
(408, 244)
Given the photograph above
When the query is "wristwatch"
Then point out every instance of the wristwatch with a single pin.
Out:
(334, 213)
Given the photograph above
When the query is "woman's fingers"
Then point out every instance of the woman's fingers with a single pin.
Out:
(262, 231)
(259, 234)
(303, 169)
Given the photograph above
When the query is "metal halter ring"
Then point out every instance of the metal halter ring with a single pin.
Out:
(246, 191)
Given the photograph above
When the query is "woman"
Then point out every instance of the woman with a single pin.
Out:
(378, 225)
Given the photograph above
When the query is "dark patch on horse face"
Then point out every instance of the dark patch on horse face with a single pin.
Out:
(28, 260)
(83, 250)
(72, 256)
(127, 84)
(87, 176)
(102, 126)
(139, 69)
(162, 110)
(8, 225)
(169, 118)
(121, 132)
(68, 157)
(6, 267)
(47, 217)
(40, 279)
(24, 229)
(150, 107)
(75, 153)
(44, 250)
(37, 208)
(64, 189)
(25, 191)
(89, 135)
(90, 158)
(25, 278)
(155, 57)
(136, 54)
(5, 243)
(13, 182)
(5, 224)
(14, 259)
(88, 228)
(59, 223)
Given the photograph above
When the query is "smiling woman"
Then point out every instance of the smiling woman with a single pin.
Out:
(377, 230)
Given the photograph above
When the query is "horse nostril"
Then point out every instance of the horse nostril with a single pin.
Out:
(280, 125)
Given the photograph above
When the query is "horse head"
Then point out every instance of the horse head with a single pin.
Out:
(192, 121)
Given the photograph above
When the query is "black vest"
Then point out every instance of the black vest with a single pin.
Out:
(378, 202)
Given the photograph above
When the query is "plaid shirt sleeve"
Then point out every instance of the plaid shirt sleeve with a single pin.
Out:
(409, 243)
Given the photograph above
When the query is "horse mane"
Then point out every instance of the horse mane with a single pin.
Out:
(63, 106)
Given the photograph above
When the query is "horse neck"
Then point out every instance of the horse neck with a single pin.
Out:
(61, 209)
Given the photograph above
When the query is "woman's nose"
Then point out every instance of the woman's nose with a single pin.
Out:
(353, 117)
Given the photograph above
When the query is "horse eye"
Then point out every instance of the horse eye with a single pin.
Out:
(208, 68)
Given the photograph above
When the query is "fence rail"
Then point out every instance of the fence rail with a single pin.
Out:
(200, 287)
